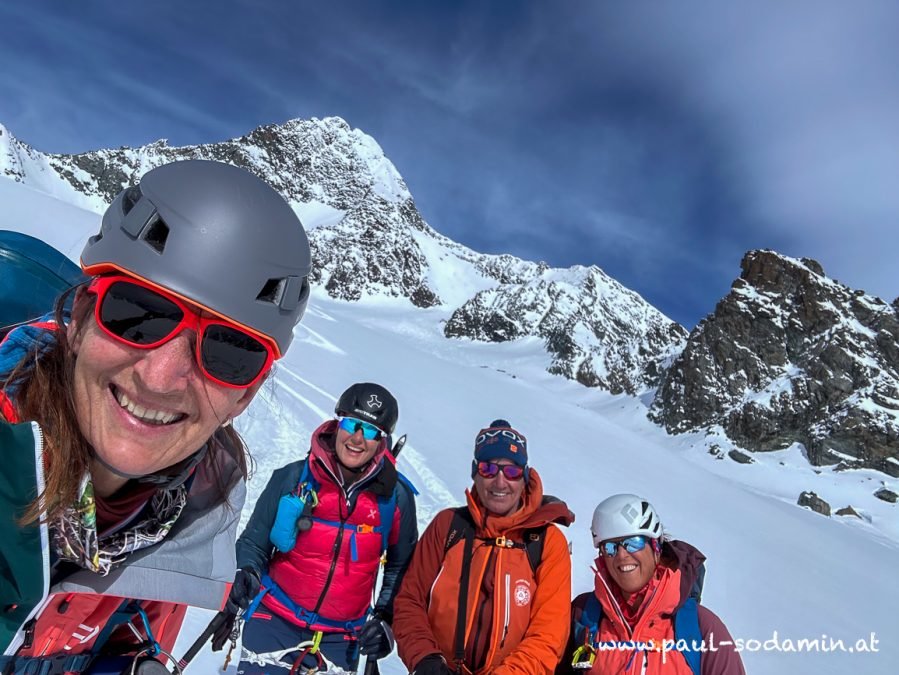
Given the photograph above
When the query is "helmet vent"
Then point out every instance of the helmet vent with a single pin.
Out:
(130, 197)
(271, 291)
(156, 234)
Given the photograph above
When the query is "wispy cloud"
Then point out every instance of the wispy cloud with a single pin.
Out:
(657, 142)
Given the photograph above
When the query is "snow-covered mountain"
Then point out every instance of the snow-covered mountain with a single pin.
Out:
(791, 356)
(598, 332)
(776, 572)
(369, 240)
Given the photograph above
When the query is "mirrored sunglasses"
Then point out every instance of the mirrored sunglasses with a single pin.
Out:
(140, 315)
(492, 469)
(369, 431)
(631, 545)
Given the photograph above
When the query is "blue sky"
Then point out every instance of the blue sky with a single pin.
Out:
(660, 141)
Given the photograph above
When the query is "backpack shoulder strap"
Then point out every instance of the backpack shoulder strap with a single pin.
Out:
(462, 605)
(401, 478)
(587, 626)
(533, 546)
(386, 512)
(459, 528)
(688, 633)
(387, 508)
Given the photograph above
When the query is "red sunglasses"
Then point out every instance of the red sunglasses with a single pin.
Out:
(139, 314)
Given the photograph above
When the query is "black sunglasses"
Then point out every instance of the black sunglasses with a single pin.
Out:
(140, 315)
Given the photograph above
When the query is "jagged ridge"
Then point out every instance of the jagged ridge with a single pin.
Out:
(790, 356)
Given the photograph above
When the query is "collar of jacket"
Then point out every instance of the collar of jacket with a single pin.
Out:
(661, 598)
(536, 511)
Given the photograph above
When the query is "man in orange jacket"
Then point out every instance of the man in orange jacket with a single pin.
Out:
(489, 584)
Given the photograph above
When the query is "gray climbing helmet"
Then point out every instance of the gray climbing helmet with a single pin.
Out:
(215, 235)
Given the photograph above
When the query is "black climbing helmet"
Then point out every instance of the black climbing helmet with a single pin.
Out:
(369, 402)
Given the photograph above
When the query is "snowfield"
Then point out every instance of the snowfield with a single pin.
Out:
(777, 573)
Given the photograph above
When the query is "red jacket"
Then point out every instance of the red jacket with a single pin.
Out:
(516, 620)
(319, 574)
(653, 623)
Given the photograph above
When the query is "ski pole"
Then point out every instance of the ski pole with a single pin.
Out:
(195, 648)
(371, 666)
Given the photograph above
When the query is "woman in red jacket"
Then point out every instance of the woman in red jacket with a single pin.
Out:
(643, 615)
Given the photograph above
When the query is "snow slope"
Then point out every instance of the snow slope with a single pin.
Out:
(774, 568)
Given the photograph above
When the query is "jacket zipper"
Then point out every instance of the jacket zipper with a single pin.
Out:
(337, 544)
(339, 540)
(508, 610)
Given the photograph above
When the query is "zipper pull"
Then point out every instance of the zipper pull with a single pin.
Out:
(29, 633)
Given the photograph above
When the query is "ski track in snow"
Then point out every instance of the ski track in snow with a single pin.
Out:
(292, 373)
(297, 396)
(316, 339)
(434, 494)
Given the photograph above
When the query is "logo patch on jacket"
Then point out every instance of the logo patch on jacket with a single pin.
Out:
(522, 593)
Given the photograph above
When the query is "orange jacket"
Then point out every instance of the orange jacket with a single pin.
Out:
(517, 621)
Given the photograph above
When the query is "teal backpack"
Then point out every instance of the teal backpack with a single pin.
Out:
(32, 275)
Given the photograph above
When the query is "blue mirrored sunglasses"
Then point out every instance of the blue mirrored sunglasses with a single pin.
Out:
(631, 545)
(369, 431)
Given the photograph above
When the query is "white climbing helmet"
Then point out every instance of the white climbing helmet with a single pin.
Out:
(624, 515)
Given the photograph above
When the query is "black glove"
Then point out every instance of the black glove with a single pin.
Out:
(245, 588)
(222, 633)
(432, 664)
(376, 638)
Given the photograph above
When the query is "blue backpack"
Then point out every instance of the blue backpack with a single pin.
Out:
(686, 624)
(32, 275)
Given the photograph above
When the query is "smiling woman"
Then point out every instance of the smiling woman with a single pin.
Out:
(122, 409)
(333, 517)
(644, 613)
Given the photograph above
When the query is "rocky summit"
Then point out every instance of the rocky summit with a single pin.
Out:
(792, 356)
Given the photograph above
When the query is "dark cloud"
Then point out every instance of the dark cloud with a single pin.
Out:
(659, 143)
